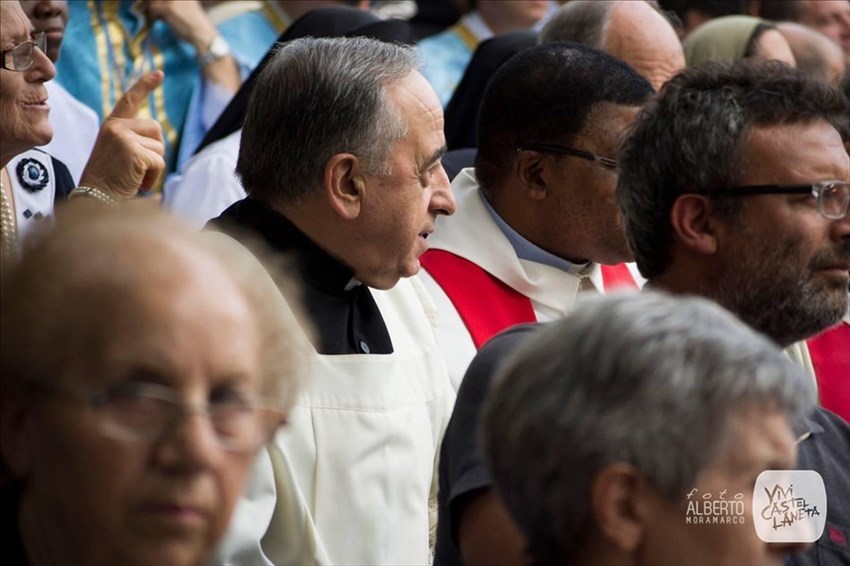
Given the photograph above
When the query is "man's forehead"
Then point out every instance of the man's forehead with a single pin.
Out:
(804, 148)
(413, 93)
(608, 119)
(760, 436)
(419, 107)
(776, 139)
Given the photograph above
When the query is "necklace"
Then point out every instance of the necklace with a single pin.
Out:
(8, 235)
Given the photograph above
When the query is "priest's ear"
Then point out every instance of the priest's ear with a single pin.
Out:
(344, 184)
(694, 223)
(530, 171)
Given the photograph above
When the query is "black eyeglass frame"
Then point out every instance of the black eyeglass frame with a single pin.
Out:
(606, 162)
(815, 189)
(39, 39)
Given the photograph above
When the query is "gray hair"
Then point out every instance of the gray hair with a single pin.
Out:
(689, 139)
(580, 22)
(586, 22)
(317, 98)
(643, 378)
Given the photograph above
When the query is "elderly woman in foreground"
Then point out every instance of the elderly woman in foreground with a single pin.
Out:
(142, 372)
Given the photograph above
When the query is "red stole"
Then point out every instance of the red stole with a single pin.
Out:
(486, 305)
(830, 352)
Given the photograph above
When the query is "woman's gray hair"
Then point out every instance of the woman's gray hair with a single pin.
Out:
(642, 378)
(317, 98)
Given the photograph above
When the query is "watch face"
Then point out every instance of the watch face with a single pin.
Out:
(219, 47)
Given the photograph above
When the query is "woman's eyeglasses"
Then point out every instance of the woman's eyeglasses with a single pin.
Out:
(144, 412)
(20, 57)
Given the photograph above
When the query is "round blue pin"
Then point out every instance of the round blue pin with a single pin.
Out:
(32, 175)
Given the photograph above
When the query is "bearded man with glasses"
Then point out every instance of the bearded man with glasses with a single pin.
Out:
(734, 186)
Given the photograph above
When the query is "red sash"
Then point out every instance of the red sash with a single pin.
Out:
(617, 277)
(486, 305)
(830, 352)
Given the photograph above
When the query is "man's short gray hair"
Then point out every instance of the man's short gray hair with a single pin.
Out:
(642, 378)
(584, 22)
(317, 98)
(578, 21)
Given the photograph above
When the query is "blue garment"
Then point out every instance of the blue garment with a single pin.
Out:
(110, 42)
(527, 250)
(250, 35)
(446, 57)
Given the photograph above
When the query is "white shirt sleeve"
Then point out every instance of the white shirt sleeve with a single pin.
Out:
(207, 183)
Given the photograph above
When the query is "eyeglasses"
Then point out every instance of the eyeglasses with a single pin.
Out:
(144, 412)
(21, 56)
(606, 162)
(833, 197)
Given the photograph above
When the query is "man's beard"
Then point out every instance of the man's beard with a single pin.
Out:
(762, 287)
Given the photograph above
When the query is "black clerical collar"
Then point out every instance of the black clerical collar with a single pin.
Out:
(315, 264)
(352, 284)
(342, 309)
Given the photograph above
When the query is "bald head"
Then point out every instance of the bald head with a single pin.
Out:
(816, 55)
(634, 32)
(640, 36)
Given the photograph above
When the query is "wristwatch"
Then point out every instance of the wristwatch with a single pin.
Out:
(218, 49)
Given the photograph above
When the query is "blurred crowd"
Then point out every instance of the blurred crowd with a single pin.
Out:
(484, 282)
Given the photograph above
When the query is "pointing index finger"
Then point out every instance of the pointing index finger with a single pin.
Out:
(129, 104)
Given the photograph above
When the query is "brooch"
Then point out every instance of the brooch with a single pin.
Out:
(32, 175)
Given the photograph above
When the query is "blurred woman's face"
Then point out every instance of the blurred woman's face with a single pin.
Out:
(773, 45)
(97, 491)
(23, 98)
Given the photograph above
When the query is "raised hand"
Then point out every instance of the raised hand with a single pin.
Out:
(187, 19)
(128, 154)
